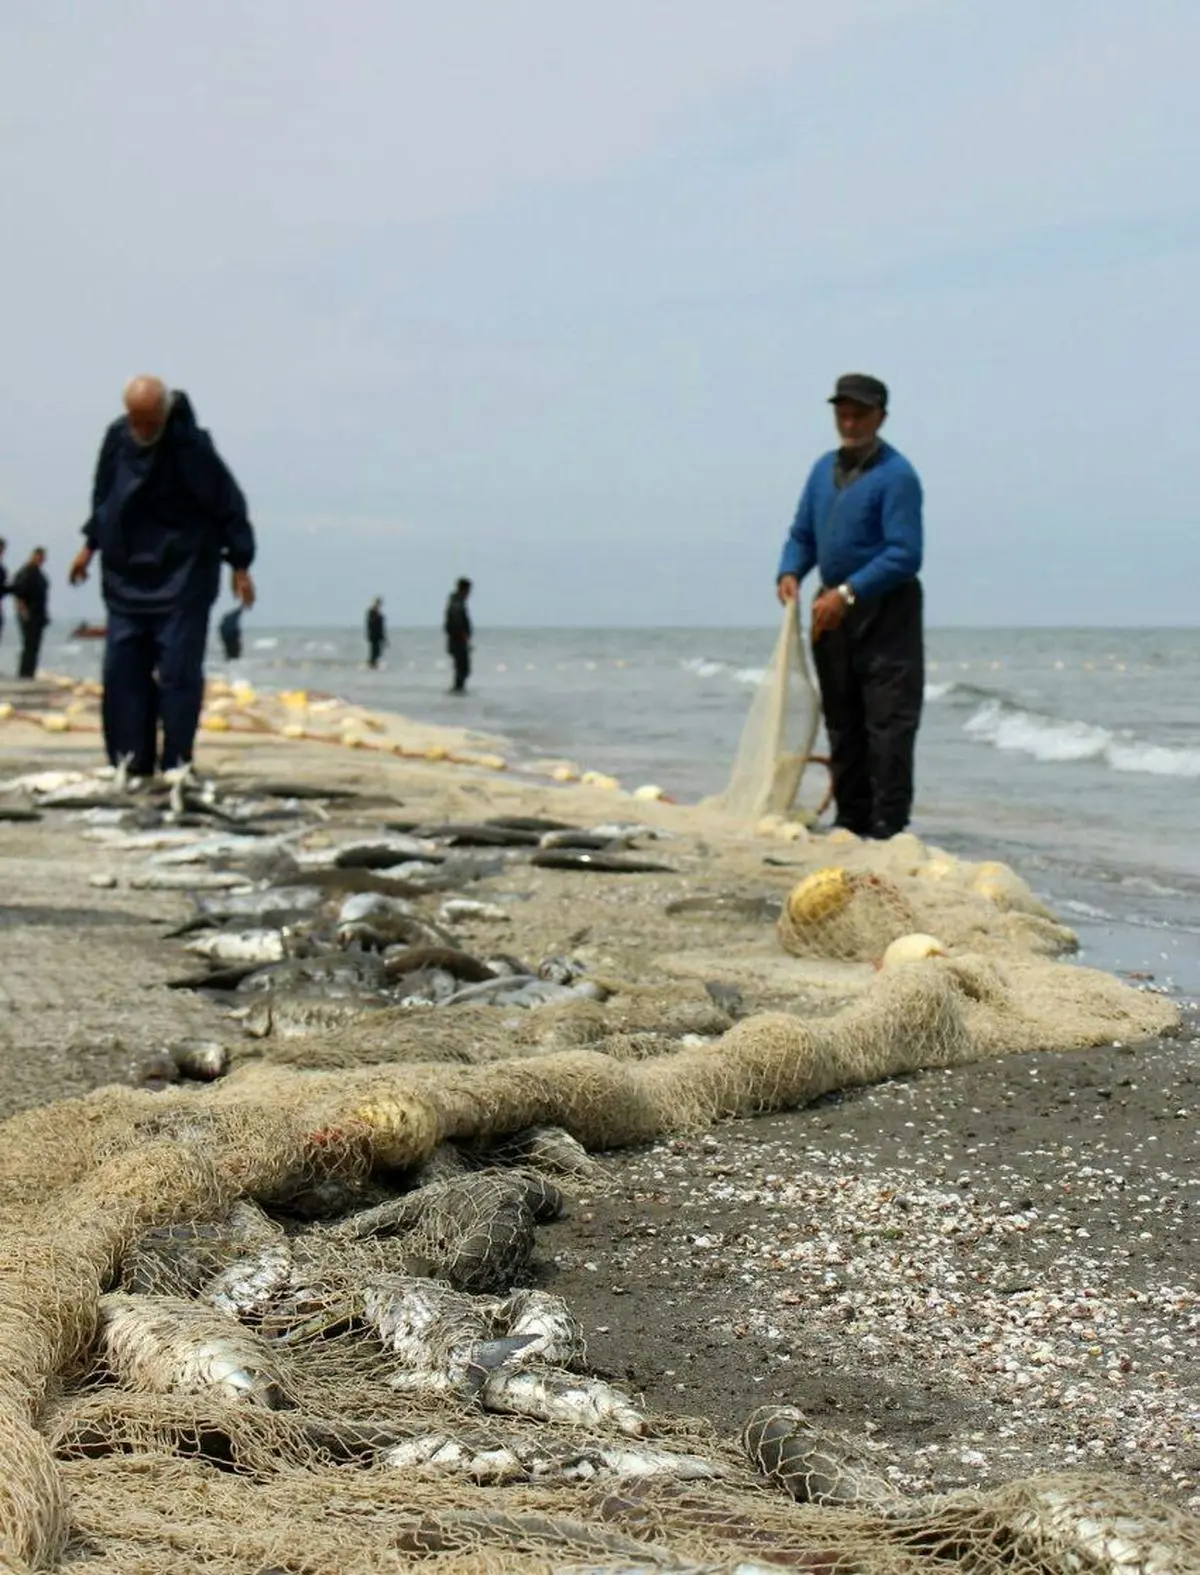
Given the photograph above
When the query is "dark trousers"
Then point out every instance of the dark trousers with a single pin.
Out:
(460, 655)
(375, 651)
(872, 676)
(153, 672)
(32, 630)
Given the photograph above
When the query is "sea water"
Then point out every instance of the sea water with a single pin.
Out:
(1074, 754)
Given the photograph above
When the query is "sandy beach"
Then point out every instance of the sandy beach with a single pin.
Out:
(984, 1270)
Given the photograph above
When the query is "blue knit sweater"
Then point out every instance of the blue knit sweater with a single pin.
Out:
(867, 535)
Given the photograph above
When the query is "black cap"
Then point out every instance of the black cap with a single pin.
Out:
(862, 389)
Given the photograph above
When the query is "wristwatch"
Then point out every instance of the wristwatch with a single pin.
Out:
(846, 592)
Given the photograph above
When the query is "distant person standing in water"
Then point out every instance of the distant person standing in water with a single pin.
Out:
(376, 632)
(3, 584)
(458, 634)
(31, 591)
(859, 523)
(166, 514)
(230, 630)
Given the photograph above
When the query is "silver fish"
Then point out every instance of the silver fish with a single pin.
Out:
(621, 1460)
(297, 1016)
(253, 904)
(186, 880)
(202, 1059)
(227, 847)
(556, 1335)
(240, 946)
(554, 1396)
(496, 989)
(246, 1289)
(426, 1323)
(360, 905)
(439, 1334)
(551, 1149)
(459, 910)
(483, 1460)
(45, 782)
(560, 970)
(141, 841)
(166, 1345)
(812, 1466)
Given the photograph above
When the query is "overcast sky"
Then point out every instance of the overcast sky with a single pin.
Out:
(552, 293)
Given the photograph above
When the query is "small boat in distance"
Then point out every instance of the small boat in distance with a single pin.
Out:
(88, 631)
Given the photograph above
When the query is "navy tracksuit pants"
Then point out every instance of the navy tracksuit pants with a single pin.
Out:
(153, 673)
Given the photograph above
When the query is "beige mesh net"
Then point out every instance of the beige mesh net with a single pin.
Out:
(777, 740)
(276, 1324)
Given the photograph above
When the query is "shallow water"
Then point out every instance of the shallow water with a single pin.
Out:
(1074, 753)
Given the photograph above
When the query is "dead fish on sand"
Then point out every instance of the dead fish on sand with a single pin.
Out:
(211, 849)
(550, 1395)
(241, 946)
(552, 1149)
(813, 1467)
(186, 880)
(246, 1289)
(296, 1016)
(328, 973)
(484, 1459)
(556, 1336)
(438, 1333)
(515, 990)
(201, 1059)
(360, 905)
(463, 910)
(381, 931)
(379, 853)
(167, 1345)
(254, 904)
(460, 965)
(464, 834)
(600, 863)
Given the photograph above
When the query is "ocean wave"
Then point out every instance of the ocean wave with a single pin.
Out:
(1050, 739)
(704, 667)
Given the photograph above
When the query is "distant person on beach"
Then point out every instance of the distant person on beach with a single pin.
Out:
(30, 589)
(376, 632)
(230, 630)
(859, 523)
(166, 514)
(457, 625)
(3, 583)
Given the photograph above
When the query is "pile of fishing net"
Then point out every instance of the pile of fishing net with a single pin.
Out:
(285, 1323)
(774, 752)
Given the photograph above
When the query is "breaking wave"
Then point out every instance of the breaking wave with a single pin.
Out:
(1048, 738)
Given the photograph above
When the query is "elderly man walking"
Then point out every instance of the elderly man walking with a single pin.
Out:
(166, 514)
(859, 523)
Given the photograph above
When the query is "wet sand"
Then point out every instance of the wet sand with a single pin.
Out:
(989, 1270)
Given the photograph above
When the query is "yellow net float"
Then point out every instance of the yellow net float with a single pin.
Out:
(819, 896)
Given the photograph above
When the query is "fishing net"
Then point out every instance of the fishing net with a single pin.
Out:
(277, 1324)
(844, 915)
(777, 740)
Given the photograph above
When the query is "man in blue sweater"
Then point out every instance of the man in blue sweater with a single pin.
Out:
(166, 515)
(859, 523)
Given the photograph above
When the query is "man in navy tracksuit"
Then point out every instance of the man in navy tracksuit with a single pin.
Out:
(859, 523)
(166, 513)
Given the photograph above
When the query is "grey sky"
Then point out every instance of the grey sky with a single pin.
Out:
(553, 293)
